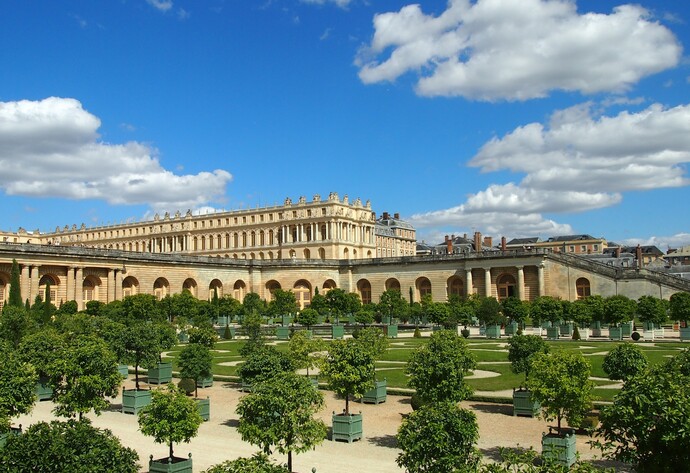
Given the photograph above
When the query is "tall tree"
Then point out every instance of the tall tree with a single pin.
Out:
(521, 350)
(195, 362)
(280, 413)
(17, 387)
(624, 362)
(15, 298)
(349, 369)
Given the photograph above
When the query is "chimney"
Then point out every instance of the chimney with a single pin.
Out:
(449, 245)
(477, 242)
(503, 243)
(618, 252)
(488, 241)
(446, 240)
(638, 255)
(465, 236)
(396, 216)
(385, 215)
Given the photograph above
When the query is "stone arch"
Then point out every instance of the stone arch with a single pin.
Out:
(423, 286)
(190, 285)
(583, 288)
(302, 290)
(161, 288)
(346, 253)
(307, 253)
(364, 290)
(239, 290)
(216, 286)
(130, 286)
(455, 286)
(506, 286)
(271, 287)
(91, 288)
(54, 285)
(4, 290)
(328, 285)
(322, 253)
(392, 284)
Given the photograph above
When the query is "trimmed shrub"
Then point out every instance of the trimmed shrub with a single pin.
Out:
(188, 385)
(465, 333)
(576, 333)
(227, 334)
(417, 333)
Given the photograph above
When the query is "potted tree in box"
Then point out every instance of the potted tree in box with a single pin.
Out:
(372, 339)
(437, 369)
(618, 310)
(161, 372)
(170, 417)
(391, 304)
(263, 363)
(137, 346)
(307, 318)
(516, 310)
(301, 349)
(17, 390)
(624, 362)
(680, 310)
(206, 336)
(350, 372)
(520, 352)
(652, 312)
(280, 413)
(581, 313)
(43, 350)
(560, 382)
(550, 309)
(195, 362)
(490, 315)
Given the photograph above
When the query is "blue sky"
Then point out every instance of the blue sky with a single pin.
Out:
(510, 117)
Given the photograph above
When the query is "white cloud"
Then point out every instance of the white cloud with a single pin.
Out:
(51, 148)
(517, 49)
(678, 240)
(339, 3)
(578, 162)
(161, 5)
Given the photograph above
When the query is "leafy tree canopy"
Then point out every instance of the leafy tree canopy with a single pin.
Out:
(196, 362)
(349, 369)
(17, 386)
(624, 361)
(259, 463)
(619, 309)
(680, 306)
(547, 308)
(264, 363)
(652, 309)
(521, 350)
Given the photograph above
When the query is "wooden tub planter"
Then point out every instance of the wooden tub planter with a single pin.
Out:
(493, 331)
(283, 333)
(347, 427)
(44, 391)
(160, 374)
(205, 382)
(204, 406)
(511, 329)
(376, 395)
(337, 332)
(615, 333)
(5, 435)
(171, 465)
(566, 330)
(559, 447)
(134, 400)
(553, 333)
(684, 333)
(391, 331)
(523, 404)
(123, 370)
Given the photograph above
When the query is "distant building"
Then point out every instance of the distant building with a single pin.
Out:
(457, 245)
(394, 237)
(582, 244)
(680, 256)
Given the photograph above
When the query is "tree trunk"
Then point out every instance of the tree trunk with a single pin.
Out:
(347, 404)
(290, 461)
(171, 451)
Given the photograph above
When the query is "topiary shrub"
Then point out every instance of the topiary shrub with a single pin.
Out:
(417, 333)
(187, 385)
(635, 336)
(465, 333)
(589, 423)
(227, 334)
(576, 333)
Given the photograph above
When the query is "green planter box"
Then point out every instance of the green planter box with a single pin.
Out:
(391, 331)
(5, 435)
(283, 333)
(351, 319)
(183, 337)
(615, 333)
(222, 320)
(596, 329)
(493, 331)
(385, 320)
(626, 329)
(123, 370)
(171, 465)
(133, 401)
(376, 395)
(482, 330)
(566, 330)
(285, 320)
(204, 406)
(347, 427)
(524, 405)
(204, 382)
(546, 324)
(552, 333)
(44, 391)
(160, 374)
(337, 331)
(559, 448)
(511, 329)
(684, 334)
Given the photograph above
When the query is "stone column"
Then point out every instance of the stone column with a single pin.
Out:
(25, 283)
(111, 285)
(118, 284)
(487, 282)
(79, 289)
(468, 281)
(69, 283)
(521, 283)
(33, 285)
(541, 280)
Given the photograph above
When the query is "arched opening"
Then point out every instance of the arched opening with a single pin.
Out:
(393, 284)
(322, 253)
(423, 286)
(271, 287)
(583, 288)
(328, 285)
(130, 286)
(4, 293)
(505, 286)
(239, 290)
(90, 289)
(455, 286)
(46, 280)
(215, 287)
(302, 292)
(161, 288)
(307, 254)
(190, 285)
(364, 290)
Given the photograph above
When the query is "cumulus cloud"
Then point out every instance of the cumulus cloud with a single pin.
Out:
(161, 5)
(51, 148)
(577, 162)
(517, 49)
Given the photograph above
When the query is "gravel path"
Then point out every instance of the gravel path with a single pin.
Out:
(218, 439)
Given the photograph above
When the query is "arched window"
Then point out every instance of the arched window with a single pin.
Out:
(302, 291)
(239, 290)
(583, 288)
(90, 290)
(364, 288)
(455, 287)
(505, 286)
(189, 285)
(393, 284)
(215, 286)
(3, 294)
(160, 288)
(43, 283)
(307, 254)
(271, 287)
(129, 286)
